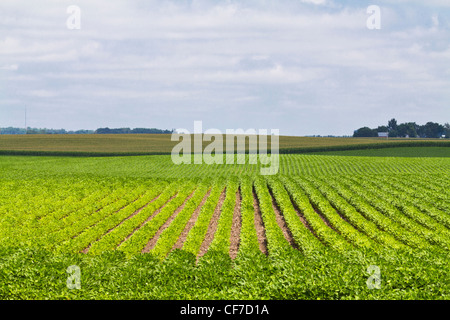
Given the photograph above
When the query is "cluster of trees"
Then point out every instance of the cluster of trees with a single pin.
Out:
(11, 130)
(128, 130)
(408, 129)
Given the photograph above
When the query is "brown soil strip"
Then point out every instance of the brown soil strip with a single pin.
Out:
(85, 250)
(282, 223)
(151, 244)
(259, 225)
(191, 223)
(148, 219)
(236, 227)
(212, 226)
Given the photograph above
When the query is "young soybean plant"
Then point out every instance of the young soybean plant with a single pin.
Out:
(196, 235)
(222, 236)
(170, 235)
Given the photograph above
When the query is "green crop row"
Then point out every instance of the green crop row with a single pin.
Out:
(327, 235)
(364, 225)
(276, 242)
(137, 242)
(342, 226)
(52, 240)
(169, 236)
(386, 205)
(422, 204)
(354, 198)
(94, 233)
(197, 233)
(114, 238)
(38, 232)
(87, 212)
(222, 237)
(304, 238)
(423, 213)
(248, 242)
(425, 188)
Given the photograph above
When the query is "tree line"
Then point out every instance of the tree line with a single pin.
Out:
(135, 131)
(12, 130)
(407, 129)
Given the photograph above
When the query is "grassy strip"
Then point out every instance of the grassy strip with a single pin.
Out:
(418, 143)
(76, 153)
(428, 151)
(282, 150)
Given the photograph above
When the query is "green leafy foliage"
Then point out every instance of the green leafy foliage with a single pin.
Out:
(344, 214)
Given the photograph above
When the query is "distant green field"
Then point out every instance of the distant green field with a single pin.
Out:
(393, 152)
(147, 144)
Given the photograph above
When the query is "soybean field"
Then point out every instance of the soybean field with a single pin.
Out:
(145, 228)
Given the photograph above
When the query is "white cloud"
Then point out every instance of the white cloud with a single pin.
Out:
(43, 93)
(203, 58)
(318, 2)
(10, 67)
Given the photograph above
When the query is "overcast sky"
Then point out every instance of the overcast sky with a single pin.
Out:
(305, 67)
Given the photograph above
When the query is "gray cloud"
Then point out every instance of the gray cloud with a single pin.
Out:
(304, 68)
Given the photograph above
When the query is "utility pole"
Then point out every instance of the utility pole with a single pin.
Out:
(26, 129)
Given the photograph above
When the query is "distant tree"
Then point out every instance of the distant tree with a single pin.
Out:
(11, 130)
(393, 133)
(382, 129)
(447, 130)
(129, 131)
(392, 125)
(103, 130)
(407, 129)
(433, 130)
(365, 132)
